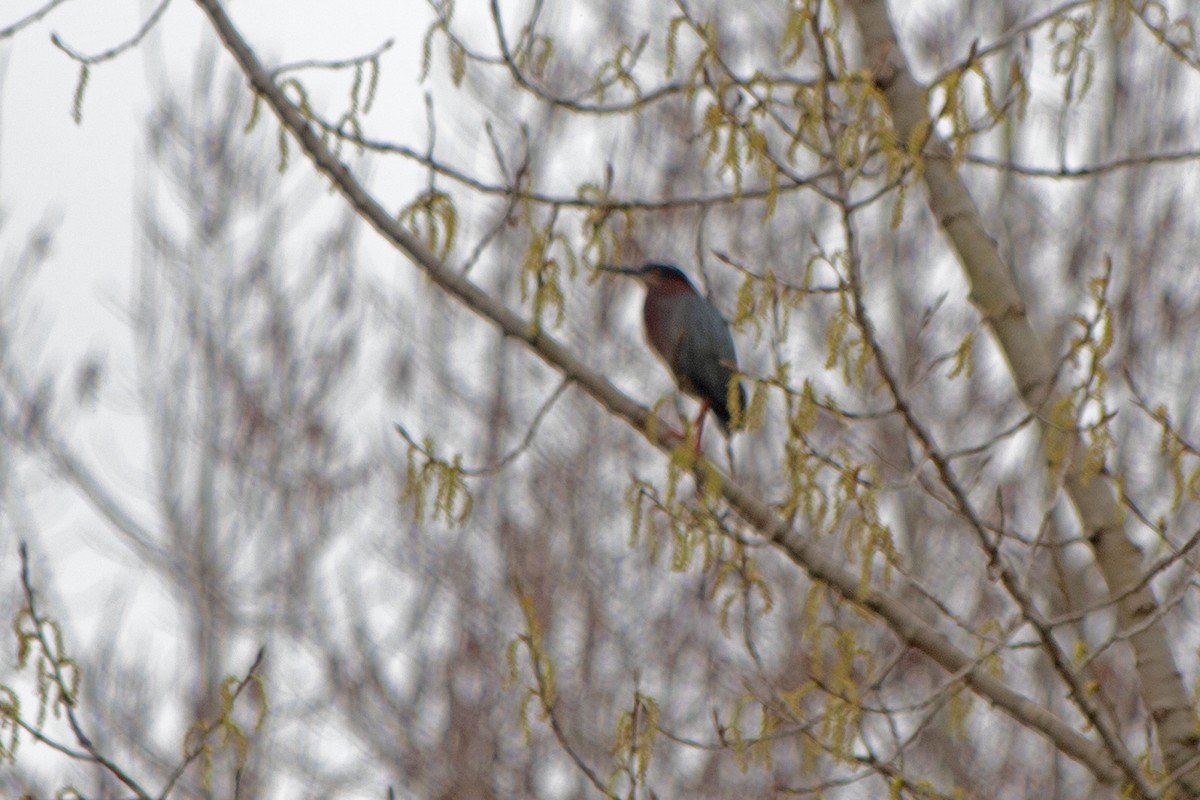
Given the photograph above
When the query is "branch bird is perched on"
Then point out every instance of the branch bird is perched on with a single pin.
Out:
(691, 337)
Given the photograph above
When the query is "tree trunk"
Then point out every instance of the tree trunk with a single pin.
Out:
(1094, 497)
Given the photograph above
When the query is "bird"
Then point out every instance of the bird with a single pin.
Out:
(692, 339)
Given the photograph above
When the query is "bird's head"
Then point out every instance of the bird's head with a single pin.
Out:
(664, 277)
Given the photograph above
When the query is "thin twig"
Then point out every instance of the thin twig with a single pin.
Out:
(512, 455)
(200, 741)
(30, 18)
(52, 658)
(117, 50)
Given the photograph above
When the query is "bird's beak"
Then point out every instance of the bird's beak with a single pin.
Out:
(632, 272)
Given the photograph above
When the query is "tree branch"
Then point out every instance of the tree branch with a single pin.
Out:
(995, 294)
(904, 622)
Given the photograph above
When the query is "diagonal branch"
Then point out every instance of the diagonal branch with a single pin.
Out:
(1094, 497)
(990, 545)
(906, 624)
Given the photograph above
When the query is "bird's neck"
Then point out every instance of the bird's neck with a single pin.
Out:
(660, 316)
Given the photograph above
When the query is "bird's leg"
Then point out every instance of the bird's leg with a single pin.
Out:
(705, 405)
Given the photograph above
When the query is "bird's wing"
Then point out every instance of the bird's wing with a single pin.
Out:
(707, 357)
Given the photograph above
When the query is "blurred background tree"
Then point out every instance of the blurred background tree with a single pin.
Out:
(956, 553)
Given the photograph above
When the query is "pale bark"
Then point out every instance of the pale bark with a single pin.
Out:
(996, 295)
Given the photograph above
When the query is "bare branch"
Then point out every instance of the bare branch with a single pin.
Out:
(907, 625)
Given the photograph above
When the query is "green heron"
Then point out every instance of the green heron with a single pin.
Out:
(691, 337)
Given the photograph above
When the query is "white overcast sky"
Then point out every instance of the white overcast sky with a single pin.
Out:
(84, 175)
(85, 180)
